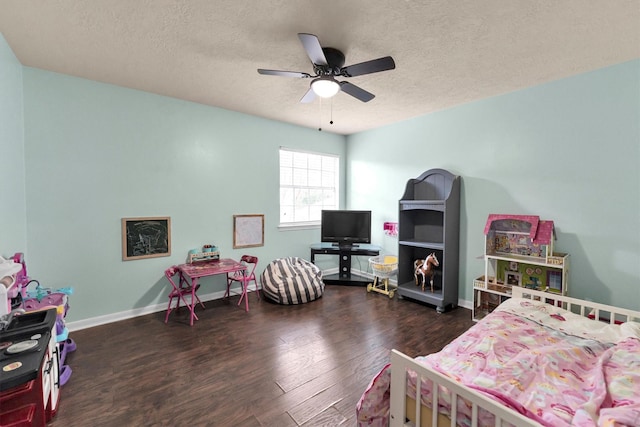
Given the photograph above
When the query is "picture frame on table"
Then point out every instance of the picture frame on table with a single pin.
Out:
(146, 237)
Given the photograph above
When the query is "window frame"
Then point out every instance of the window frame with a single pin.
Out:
(335, 188)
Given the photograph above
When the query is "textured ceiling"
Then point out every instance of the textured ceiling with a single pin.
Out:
(207, 51)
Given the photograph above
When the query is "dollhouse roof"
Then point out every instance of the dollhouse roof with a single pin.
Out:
(540, 231)
(546, 232)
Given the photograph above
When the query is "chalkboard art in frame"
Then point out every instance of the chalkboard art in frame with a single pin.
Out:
(148, 237)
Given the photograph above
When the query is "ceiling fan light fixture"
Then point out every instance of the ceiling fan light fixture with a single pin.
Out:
(325, 87)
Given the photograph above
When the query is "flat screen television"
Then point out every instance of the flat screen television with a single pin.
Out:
(345, 227)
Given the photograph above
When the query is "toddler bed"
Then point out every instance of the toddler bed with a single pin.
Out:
(538, 359)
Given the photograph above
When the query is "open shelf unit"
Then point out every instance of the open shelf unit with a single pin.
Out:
(428, 221)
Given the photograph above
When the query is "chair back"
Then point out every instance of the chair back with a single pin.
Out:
(181, 290)
(169, 273)
(251, 262)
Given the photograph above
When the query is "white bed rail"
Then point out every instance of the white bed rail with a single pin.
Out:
(399, 365)
(594, 310)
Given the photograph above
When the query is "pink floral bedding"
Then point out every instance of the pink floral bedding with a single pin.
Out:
(540, 360)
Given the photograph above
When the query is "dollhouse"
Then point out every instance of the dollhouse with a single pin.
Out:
(519, 251)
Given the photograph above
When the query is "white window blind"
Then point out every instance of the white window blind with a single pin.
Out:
(309, 183)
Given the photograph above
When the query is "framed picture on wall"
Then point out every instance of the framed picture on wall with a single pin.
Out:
(146, 237)
(248, 231)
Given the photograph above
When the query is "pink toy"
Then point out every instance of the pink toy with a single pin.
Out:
(391, 228)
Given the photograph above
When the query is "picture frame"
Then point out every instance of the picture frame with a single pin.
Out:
(512, 278)
(146, 237)
(248, 231)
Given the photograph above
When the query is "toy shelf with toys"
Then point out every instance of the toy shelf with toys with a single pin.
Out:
(519, 251)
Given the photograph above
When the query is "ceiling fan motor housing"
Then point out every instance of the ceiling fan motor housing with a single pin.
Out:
(335, 62)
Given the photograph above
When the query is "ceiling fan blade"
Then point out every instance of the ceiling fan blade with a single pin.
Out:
(368, 67)
(356, 92)
(314, 49)
(308, 97)
(284, 73)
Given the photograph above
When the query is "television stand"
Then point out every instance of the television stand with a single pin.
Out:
(344, 276)
(346, 248)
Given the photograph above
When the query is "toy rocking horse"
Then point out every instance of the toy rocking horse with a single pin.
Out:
(426, 269)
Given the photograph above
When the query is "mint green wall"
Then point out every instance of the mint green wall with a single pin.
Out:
(568, 151)
(13, 235)
(96, 153)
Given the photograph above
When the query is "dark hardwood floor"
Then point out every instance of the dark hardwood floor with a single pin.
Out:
(303, 365)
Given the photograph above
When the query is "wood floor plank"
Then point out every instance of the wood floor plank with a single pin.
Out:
(281, 366)
(329, 418)
(343, 379)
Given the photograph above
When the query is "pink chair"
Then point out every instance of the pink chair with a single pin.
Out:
(244, 279)
(179, 291)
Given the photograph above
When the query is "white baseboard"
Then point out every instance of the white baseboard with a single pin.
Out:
(465, 304)
(128, 314)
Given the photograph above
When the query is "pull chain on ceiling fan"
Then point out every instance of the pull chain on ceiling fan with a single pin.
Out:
(320, 113)
(327, 65)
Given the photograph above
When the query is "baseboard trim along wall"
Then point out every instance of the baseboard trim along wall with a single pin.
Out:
(128, 314)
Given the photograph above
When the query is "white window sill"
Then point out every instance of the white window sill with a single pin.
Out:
(298, 226)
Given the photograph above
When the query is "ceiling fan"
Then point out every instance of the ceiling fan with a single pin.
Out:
(327, 65)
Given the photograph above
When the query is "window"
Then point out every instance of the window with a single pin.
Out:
(554, 280)
(309, 183)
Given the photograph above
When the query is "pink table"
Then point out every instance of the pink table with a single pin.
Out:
(192, 272)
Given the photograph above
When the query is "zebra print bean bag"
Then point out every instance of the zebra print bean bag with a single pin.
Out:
(292, 281)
